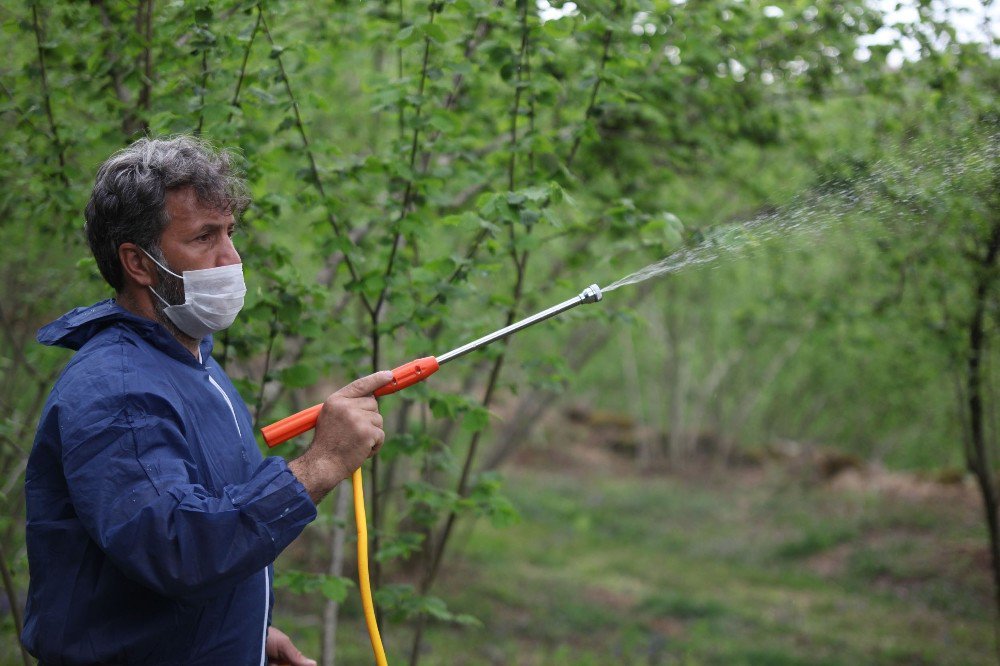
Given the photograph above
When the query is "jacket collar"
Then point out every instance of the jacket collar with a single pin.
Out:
(76, 327)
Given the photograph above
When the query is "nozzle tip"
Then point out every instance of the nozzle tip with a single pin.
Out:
(591, 294)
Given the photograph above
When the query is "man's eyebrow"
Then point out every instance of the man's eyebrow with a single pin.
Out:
(213, 226)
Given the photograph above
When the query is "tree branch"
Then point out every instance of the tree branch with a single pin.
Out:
(146, 29)
(314, 169)
(272, 334)
(439, 545)
(11, 590)
(46, 95)
(111, 39)
(407, 194)
(597, 87)
(201, 93)
(243, 66)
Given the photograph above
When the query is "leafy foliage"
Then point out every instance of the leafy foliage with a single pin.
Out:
(424, 172)
(301, 582)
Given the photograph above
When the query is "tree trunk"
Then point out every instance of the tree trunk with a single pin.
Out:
(677, 377)
(754, 397)
(337, 538)
(977, 449)
(645, 453)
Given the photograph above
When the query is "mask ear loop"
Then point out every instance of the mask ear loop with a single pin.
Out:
(179, 277)
(162, 300)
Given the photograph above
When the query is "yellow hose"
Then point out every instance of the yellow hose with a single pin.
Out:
(363, 582)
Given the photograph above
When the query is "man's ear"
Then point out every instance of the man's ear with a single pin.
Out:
(137, 266)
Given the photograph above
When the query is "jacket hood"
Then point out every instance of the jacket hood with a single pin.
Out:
(76, 327)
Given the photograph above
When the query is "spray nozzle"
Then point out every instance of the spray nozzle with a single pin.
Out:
(591, 294)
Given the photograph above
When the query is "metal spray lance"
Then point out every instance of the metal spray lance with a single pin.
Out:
(405, 375)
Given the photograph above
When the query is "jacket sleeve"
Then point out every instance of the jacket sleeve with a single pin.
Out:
(130, 474)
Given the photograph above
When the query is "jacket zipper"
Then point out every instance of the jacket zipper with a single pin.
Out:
(267, 576)
(226, 398)
(267, 602)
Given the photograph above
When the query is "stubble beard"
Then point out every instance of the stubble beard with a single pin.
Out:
(172, 291)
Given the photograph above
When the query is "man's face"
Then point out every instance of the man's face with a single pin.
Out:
(196, 237)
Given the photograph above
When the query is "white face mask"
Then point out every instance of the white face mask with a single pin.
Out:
(212, 299)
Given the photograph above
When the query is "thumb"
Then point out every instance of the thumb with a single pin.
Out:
(296, 658)
(366, 385)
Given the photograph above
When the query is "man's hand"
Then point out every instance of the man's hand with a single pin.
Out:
(281, 652)
(348, 430)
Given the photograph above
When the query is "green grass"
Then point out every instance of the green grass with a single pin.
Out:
(717, 570)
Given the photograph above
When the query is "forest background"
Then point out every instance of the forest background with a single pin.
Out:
(426, 172)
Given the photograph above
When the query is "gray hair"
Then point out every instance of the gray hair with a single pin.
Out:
(128, 203)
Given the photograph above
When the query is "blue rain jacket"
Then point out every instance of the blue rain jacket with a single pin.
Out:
(152, 518)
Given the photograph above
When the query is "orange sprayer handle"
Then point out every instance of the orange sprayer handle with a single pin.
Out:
(405, 375)
(291, 426)
(409, 374)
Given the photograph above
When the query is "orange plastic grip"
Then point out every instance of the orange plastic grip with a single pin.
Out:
(291, 426)
(405, 375)
(409, 374)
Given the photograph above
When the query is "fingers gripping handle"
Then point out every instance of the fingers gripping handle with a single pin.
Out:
(405, 375)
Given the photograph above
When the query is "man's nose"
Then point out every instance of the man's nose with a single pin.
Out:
(229, 255)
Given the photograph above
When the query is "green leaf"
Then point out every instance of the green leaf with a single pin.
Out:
(537, 194)
(442, 408)
(434, 32)
(330, 587)
(407, 36)
(203, 14)
(299, 376)
(401, 545)
(334, 588)
(476, 419)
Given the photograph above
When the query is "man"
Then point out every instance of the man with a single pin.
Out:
(152, 518)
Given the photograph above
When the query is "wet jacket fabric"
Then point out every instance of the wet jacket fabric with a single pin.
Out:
(152, 518)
